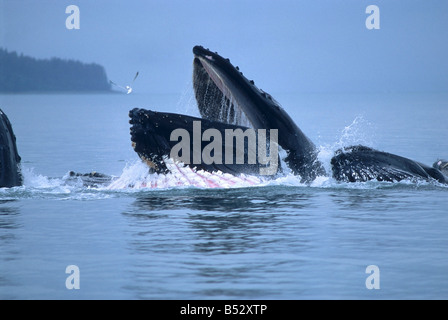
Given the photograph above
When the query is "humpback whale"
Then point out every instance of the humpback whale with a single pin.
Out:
(10, 174)
(227, 99)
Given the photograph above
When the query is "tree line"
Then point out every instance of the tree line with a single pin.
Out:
(19, 73)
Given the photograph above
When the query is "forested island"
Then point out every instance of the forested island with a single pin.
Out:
(19, 73)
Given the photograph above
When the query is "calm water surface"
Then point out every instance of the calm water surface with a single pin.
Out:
(282, 240)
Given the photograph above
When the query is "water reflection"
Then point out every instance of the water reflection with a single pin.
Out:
(226, 234)
(269, 199)
(355, 200)
(8, 226)
(202, 240)
(219, 221)
(371, 204)
(8, 221)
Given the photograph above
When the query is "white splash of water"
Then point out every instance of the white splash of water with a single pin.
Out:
(359, 132)
(38, 181)
(137, 176)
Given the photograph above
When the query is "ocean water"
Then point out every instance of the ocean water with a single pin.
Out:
(274, 240)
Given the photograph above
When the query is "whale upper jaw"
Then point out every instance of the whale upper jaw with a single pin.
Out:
(214, 77)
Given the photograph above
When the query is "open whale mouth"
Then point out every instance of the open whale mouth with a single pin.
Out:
(223, 95)
(225, 98)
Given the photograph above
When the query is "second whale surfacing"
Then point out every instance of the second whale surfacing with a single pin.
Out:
(10, 169)
(228, 100)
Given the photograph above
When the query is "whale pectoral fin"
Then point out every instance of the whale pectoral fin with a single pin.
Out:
(360, 164)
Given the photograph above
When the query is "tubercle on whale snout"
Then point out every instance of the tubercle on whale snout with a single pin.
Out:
(137, 114)
(139, 120)
(137, 126)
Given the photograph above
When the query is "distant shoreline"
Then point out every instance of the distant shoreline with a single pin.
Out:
(24, 74)
(111, 92)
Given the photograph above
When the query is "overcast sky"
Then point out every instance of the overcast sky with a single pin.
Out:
(285, 46)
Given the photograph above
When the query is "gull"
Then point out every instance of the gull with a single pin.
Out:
(128, 88)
